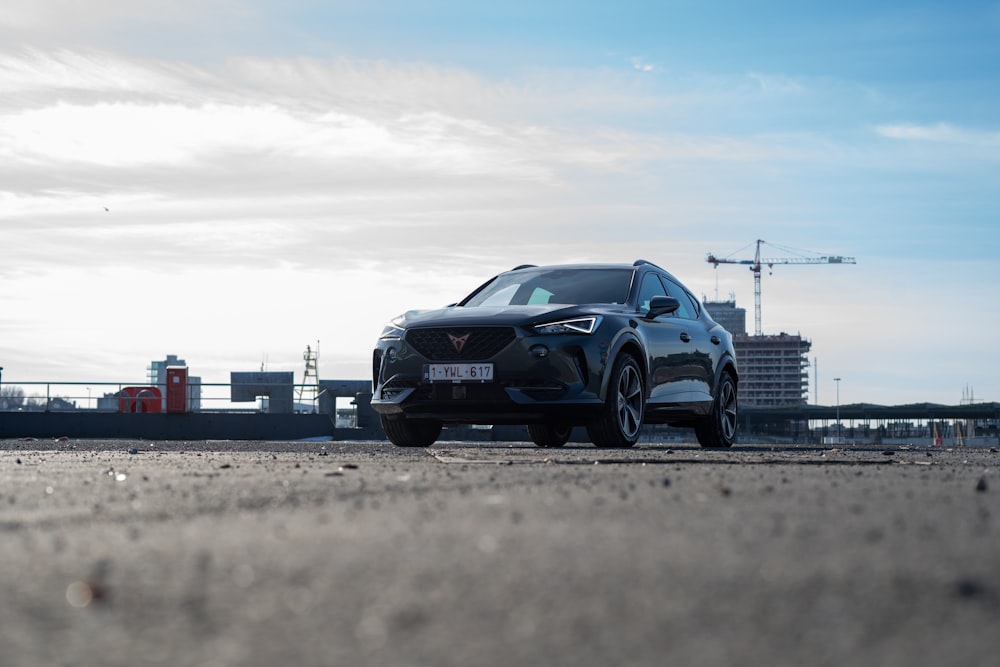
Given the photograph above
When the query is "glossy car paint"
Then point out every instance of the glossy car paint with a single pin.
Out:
(564, 377)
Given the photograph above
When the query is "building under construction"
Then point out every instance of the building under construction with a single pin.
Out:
(774, 369)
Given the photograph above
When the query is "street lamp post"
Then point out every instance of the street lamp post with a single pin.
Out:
(837, 380)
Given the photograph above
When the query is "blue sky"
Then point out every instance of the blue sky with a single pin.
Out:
(280, 173)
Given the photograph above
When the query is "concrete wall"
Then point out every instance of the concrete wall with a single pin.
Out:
(188, 426)
(279, 388)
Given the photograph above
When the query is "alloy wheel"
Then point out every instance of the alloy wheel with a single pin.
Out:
(629, 401)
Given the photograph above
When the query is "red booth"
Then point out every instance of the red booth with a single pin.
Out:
(177, 389)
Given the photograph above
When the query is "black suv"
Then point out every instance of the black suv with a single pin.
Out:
(605, 346)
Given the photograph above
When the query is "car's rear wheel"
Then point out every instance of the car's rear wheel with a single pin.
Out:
(719, 429)
(404, 432)
(549, 435)
(621, 419)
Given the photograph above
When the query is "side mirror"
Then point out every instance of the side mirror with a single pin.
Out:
(661, 305)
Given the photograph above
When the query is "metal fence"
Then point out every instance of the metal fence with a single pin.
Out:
(123, 397)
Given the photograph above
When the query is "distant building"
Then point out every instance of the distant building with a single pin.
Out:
(732, 319)
(774, 369)
(57, 404)
(158, 378)
(277, 388)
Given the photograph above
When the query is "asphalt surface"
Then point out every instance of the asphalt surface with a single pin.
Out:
(359, 553)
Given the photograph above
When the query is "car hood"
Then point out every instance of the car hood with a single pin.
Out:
(457, 316)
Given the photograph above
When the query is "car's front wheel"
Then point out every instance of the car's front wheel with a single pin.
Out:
(404, 432)
(719, 429)
(621, 418)
(549, 435)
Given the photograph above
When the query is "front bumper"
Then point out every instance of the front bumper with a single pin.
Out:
(536, 379)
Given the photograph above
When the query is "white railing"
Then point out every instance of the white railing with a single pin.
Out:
(114, 397)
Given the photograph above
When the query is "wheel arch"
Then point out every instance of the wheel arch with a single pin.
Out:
(727, 365)
(627, 343)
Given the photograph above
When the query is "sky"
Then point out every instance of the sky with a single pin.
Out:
(233, 180)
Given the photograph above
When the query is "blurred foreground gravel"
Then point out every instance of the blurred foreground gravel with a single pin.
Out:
(359, 553)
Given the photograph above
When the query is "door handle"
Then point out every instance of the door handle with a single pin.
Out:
(685, 337)
(715, 340)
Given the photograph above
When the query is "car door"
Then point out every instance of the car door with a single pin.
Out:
(666, 348)
(694, 370)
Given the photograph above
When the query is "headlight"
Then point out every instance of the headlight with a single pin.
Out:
(393, 330)
(580, 325)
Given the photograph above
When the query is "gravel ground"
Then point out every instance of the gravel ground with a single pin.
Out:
(337, 553)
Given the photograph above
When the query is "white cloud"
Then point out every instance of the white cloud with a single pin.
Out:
(641, 65)
(944, 133)
(35, 75)
(777, 83)
(41, 18)
(161, 117)
(126, 135)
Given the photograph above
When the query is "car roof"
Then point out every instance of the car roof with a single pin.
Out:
(634, 266)
(589, 265)
(637, 264)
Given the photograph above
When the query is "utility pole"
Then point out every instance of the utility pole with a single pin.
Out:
(815, 381)
(837, 380)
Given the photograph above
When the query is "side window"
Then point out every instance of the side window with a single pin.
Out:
(651, 286)
(688, 309)
(694, 304)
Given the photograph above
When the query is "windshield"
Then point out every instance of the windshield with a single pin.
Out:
(561, 286)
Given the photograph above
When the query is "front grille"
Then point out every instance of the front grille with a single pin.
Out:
(394, 387)
(455, 344)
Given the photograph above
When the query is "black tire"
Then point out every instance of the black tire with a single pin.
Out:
(404, 432)
(719, 429)
(621, 418)
(549, 435)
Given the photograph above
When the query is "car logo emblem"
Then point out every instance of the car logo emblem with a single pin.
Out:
(458, 342)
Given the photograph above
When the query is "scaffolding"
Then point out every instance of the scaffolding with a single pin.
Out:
(774, 369)
(308, 391)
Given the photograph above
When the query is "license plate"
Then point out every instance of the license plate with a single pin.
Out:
(458, 373)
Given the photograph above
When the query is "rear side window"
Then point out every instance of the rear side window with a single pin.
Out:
(689, 307)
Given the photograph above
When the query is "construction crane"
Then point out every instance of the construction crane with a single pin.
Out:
(758, 261)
